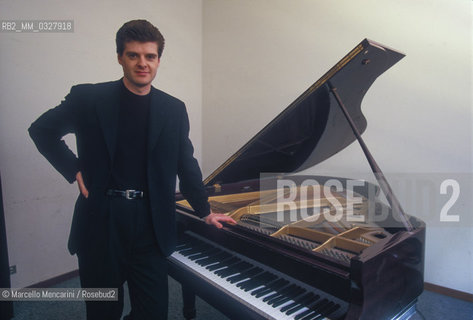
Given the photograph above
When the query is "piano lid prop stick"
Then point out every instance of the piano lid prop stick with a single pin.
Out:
(383, 183)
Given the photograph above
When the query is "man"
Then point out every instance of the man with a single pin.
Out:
(132, 141)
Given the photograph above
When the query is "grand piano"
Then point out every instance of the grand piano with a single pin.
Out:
(305, 247)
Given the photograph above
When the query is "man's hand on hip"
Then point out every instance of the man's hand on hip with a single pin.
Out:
(216, 218)
(80, 183)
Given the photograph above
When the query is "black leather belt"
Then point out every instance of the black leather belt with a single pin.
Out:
(127, 194)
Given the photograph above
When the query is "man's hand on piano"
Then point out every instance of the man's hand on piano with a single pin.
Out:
(216, 218)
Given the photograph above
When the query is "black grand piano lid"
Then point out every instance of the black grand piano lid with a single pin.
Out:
(313, 127)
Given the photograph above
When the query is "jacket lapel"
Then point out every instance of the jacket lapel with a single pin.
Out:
(108, 107)
(157, 115)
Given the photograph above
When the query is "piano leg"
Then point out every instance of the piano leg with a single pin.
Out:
(188, 299)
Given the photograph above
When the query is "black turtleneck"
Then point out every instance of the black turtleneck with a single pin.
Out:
(129, 166)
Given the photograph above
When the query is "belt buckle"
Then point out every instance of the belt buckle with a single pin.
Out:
(130, 194)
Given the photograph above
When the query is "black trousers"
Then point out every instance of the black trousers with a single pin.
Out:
(122, 248)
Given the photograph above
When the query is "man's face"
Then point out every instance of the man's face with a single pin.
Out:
(140, 63)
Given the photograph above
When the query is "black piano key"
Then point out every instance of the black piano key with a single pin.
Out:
(247, 274)
(289, 296)
(312, 308)
(293, 296)
(243, 267)
(270, 280)
(232, 263)
(295, 309)
(300, 303)
(196, 249)
(310, 315)
(319, 313)
(242, 275)
(223, 263)
(309, 310)
(265, 292)
(322, 306)
(251, 284)
(331, 310)
(238, 267)
(220, 262)
(323, 312)
(303, 314)
(260, 292)
(296, 302)
(205, 253)
(213, 259)
(273, 289)
(190, 246)
(268, 287)
(280, 283)
(279, 294)
(258, 279)
(285, 293)
(201, 255)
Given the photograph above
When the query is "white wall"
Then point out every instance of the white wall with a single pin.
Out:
(37, 71)
(259, 55)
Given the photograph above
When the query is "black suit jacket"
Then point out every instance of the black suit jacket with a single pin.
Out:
(90, 111)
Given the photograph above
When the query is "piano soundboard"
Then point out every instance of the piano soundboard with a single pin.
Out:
(306, 226)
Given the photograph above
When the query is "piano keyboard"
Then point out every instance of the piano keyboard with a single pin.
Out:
(269, 292)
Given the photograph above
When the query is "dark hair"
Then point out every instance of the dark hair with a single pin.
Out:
(139, 30)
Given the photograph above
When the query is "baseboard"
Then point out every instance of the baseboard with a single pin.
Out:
(448, 292)
(58, 279)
